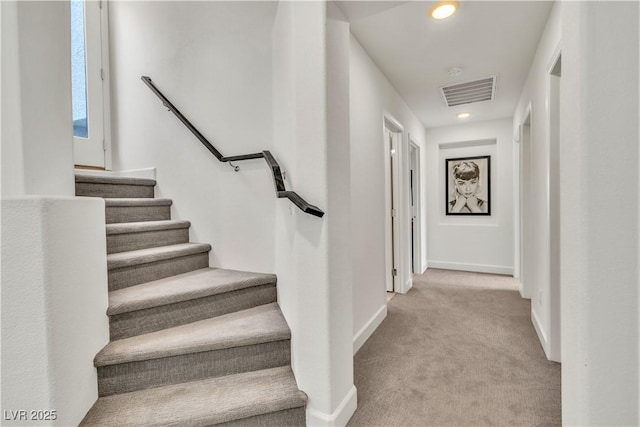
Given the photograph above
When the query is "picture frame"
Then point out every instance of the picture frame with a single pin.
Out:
(468, 186)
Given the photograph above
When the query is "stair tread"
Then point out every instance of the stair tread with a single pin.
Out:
(203, 402)
(137, 201)
(118, 180)
(264, 323)
(161, 253)
(145, 226)
(183, 287)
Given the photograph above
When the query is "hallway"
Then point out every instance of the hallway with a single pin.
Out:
(459, 349)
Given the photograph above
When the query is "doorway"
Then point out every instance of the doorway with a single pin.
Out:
(414, 204)
(392, 140)
(89, 83)
(526, 232)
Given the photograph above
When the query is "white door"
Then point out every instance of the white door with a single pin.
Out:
(391, 144)
(86, 81)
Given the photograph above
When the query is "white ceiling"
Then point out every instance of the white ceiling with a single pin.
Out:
(486, 38)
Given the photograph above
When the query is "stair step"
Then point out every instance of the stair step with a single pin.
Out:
(252, 339)
(186, 298)
(131, 236)
(120, 210)
(112, 186)
(205, 402)
(145, 265)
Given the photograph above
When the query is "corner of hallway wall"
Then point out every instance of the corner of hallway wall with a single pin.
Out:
(483, 244)
(600, 227)
(534, 105)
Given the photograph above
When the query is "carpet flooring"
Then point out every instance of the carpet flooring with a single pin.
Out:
(458, 349)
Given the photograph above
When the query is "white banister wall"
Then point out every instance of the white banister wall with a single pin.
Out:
(54, 278)
(54, 302)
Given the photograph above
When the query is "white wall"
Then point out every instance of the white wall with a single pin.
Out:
(54, 302)
(599, 186)
(371, 97)
(54, 278)
(314, 289)
(37, 145)
(12, 176)
(213, 61)
(535, 93)
(480, 243)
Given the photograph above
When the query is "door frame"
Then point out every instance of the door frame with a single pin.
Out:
(416, 214)
(392, 189)
(97, 75)
(106, 83)
(554, 75)
(523, 266)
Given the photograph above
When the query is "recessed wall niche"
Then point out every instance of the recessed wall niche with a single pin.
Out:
(467, 182)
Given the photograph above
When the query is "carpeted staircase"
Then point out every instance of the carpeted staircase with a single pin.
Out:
(190, 345)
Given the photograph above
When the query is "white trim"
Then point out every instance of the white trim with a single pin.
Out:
(478, 268)
(148, 173)
(525, 289)
(540, 331)
(516, 204)
(339, 417)
(369, 328)
(407, 286)
(468, 143)
(106, 84)
(554, 341)
(417, 244)
(391, 123)
(393, 126)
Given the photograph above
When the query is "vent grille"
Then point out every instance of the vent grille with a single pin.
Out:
(469, 92)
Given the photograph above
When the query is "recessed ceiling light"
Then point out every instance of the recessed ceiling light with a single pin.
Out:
(443, 9)
(463, 115)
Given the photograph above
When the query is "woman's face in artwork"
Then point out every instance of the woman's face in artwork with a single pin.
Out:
(468, 187)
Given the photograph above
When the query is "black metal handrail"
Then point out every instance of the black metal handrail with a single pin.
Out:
(278, 179)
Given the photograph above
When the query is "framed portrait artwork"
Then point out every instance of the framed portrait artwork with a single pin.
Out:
(468, 186)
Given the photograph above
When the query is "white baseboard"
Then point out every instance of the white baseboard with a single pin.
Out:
(478, 268)
(369, 328)
(406, 287)
(542, 336)
(147, 173)
(339, 417)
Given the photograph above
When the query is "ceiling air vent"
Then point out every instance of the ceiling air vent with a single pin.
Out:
(468, 92)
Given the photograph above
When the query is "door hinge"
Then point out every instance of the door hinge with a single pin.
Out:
(104, 145)
(101, 73)
(100, 4)
(393, 213)
(394, 272)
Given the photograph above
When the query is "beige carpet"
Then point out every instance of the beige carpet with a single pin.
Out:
(458, 350)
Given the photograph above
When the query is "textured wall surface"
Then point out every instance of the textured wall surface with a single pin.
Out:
(54, 302)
